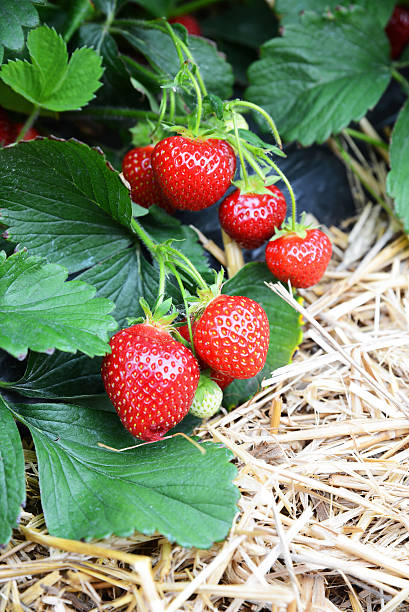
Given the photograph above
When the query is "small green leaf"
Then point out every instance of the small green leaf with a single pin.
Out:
(160, 51)
(13, 17)
(285, 328)
(322, 74)
(256, 141)
(62, 201)
(50, 81)
(40, 311)
(89, 492)
(12, 483)
(398, 179)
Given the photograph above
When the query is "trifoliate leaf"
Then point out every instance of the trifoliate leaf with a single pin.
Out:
(398, 179)
(12, 484)
(13, 17)
(62, 201)
(51, 81)
(42, 312)
(322, 74)
(88, 492)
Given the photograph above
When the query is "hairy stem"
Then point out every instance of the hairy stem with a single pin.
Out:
(28, 123)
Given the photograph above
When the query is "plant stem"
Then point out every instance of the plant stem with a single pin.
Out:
(185, 302)
(366, 138)
(28, 123)
(290, 189)
(190, 7)
(176, 41)
(144, 237)
(401, 79)
(199, 109)
(79, 12)
(188, 267)
(162, 278)
(240, 153)
(252, 162)
(172, 105)
(262, 112)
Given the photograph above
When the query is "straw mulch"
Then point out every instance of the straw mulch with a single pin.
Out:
(322, 453)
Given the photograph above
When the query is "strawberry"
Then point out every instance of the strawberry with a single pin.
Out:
(193, 173)
(191, 24)
(252, 218)
(301, 259)
(137, 169)
(397, 30)
(208, 398)
(221, 379)
(150, 378)
(232, 336)
(6, 129)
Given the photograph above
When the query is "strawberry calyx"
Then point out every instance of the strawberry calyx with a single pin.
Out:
(206, 295)
(255, 184)
(292, 228)
(161, 316)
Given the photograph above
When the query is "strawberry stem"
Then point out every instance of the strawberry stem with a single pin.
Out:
(176, 274)
(199, 100)
(267, 117)
(252, 162)
(288, 185)
(189, 267)
(240, 153)
(28, 123)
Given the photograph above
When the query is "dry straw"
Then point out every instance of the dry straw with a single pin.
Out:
(322, 453)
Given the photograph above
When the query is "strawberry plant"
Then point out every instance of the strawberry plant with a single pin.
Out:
(97, 269)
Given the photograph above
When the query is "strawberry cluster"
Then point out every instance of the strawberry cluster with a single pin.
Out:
(157, 371)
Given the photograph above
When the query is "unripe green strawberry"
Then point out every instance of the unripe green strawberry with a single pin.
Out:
(208, 398)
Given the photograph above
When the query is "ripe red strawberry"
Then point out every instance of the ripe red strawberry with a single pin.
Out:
(300, 260)
(222, 380)
(252, 218)
(150, 378)
(193, 173)
(232, 336)
(397, 30)
(191, 24)
(6, 129)
(137, 169)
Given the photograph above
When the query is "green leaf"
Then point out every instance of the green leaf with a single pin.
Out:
(162, 227)
(13, 17)
(322, 74)
(62, 202)
(89, 492)
(50, 81)
(256, 141)
(285, 328)
(12, 483)
(60, 376)
(398, 180)
(116, 78)
(160, 51)
(124, 278)
(40, 311)
(292, 10)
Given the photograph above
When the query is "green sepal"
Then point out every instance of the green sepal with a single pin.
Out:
(288, 227)
(255, 184)
(216, 105)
